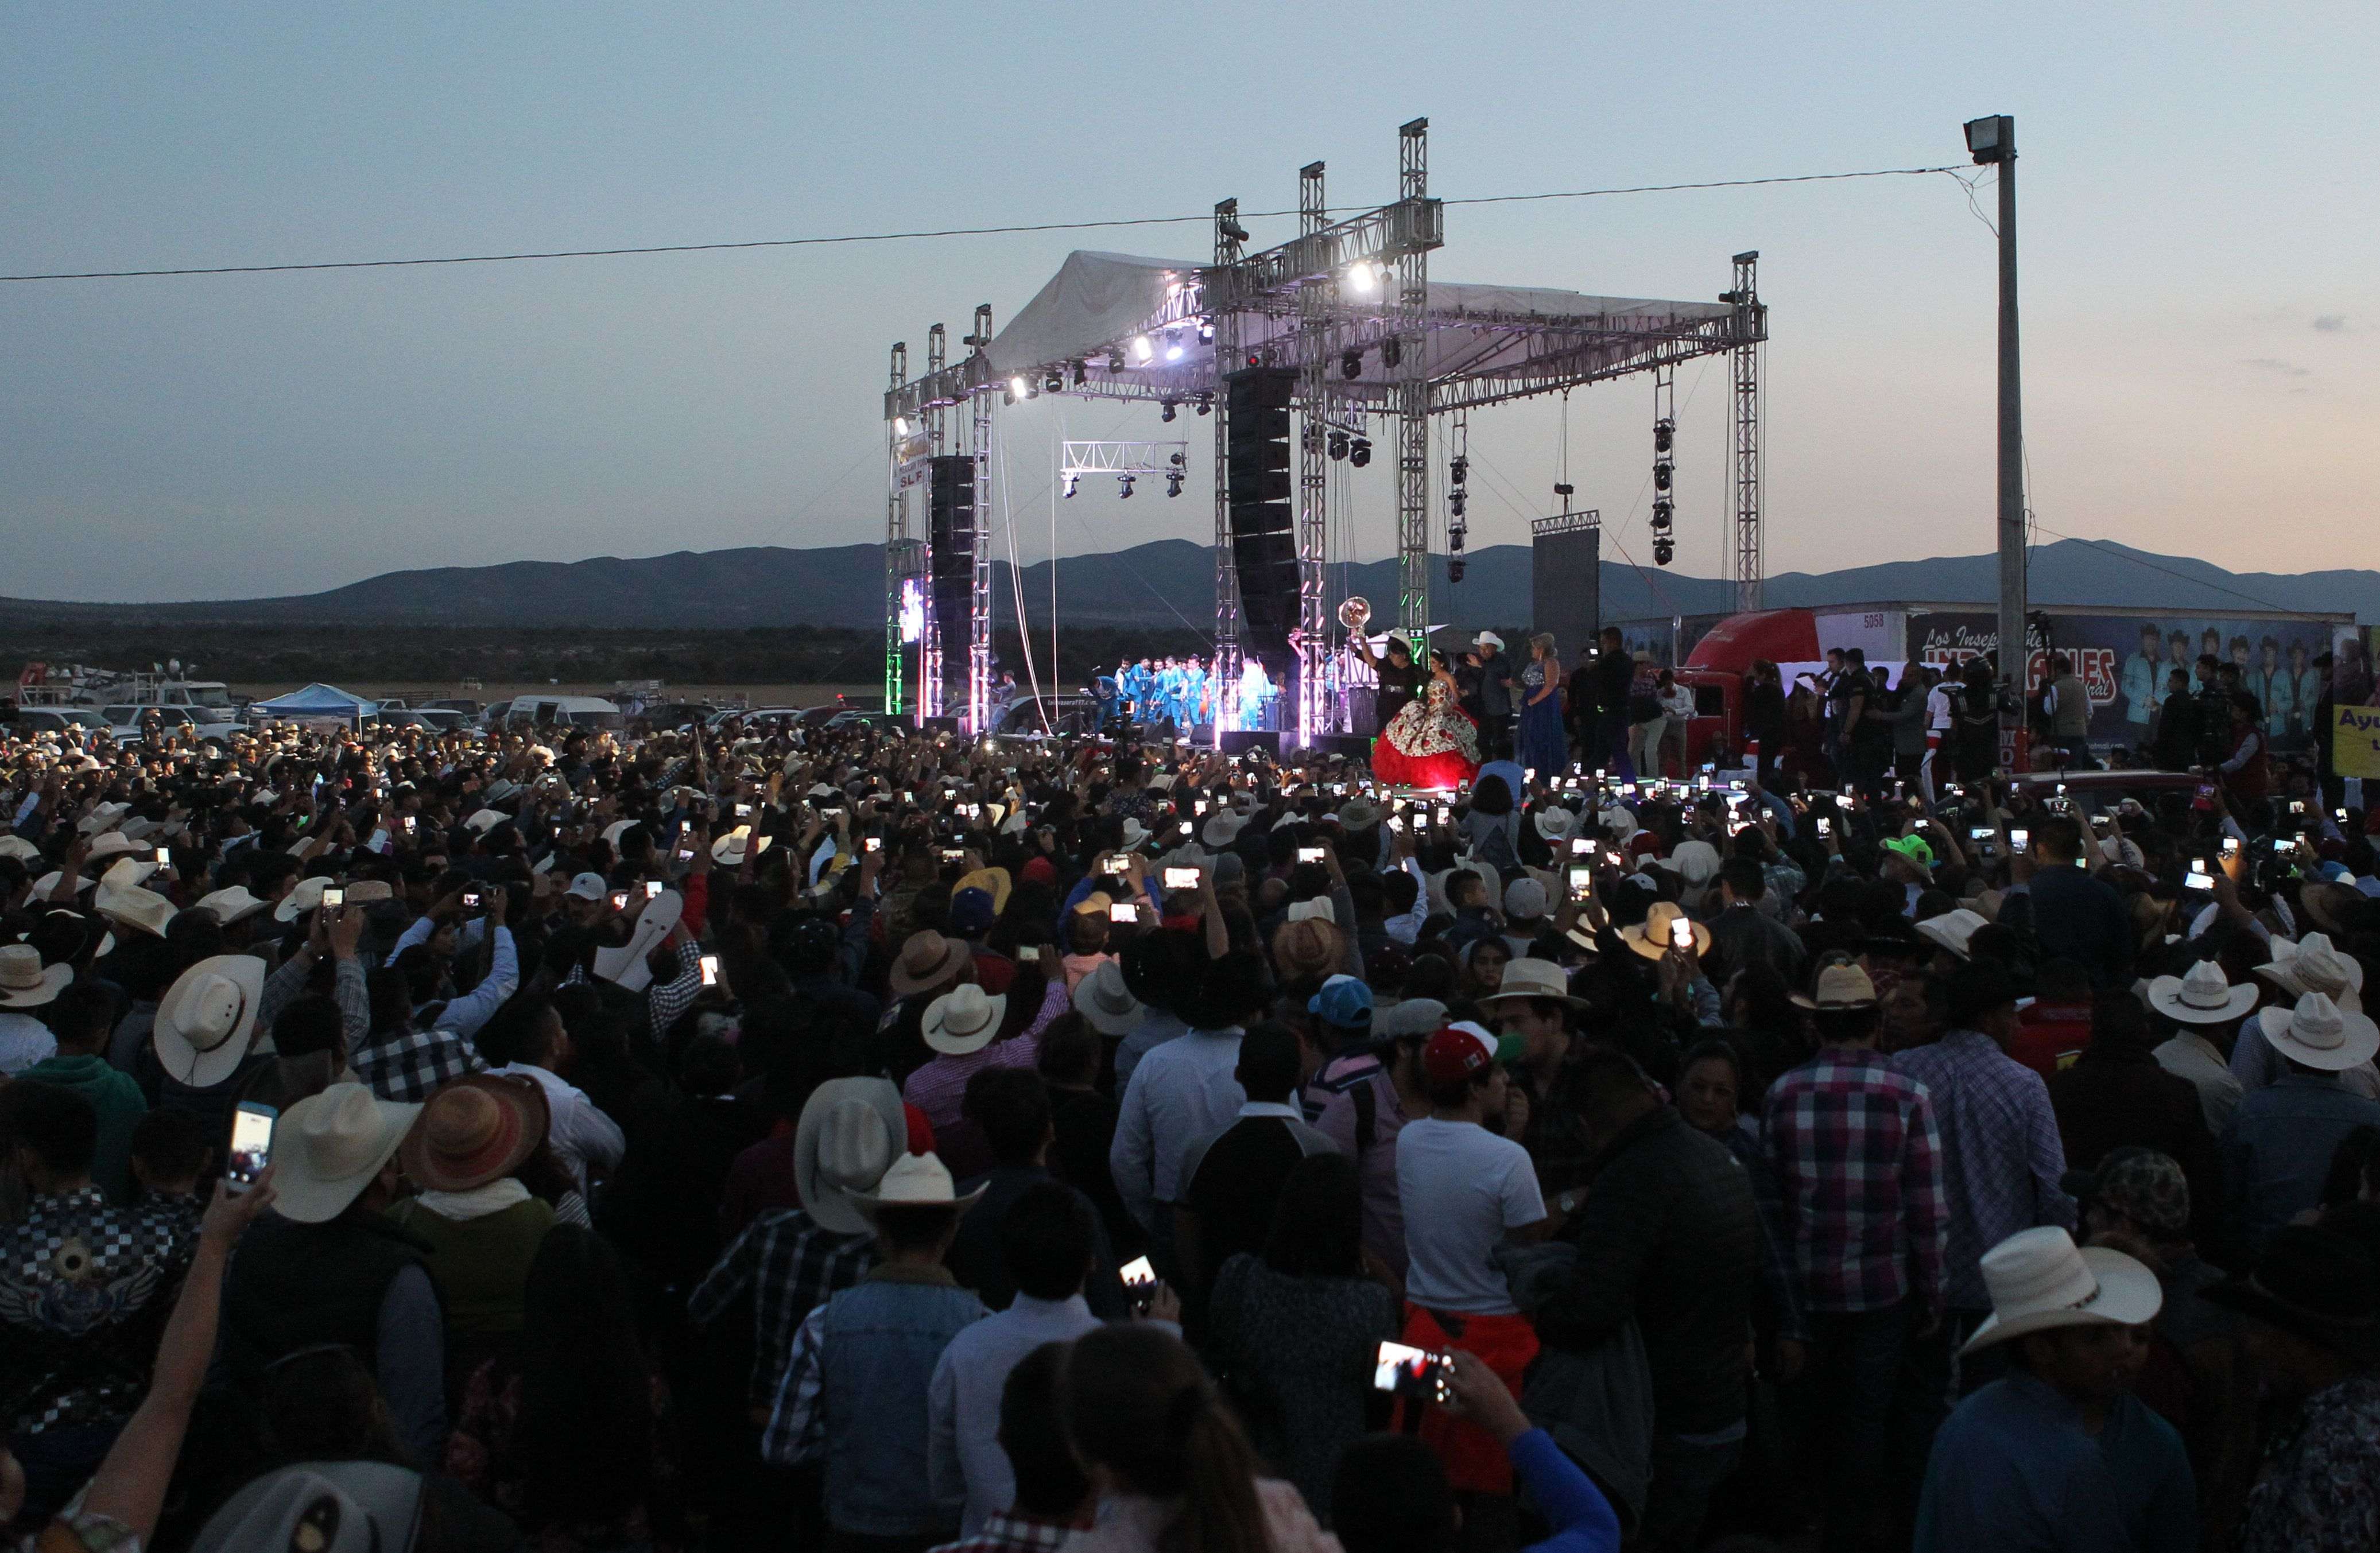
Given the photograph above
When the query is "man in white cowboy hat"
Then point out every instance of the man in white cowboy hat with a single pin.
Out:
(2205, 1009)
(2060, 1453)
(959, 1027)
(26, 985)
(200, 1043)
(1486, 678)
(327, 1267)
(2313, 966)
(790, 1259)
(855, 1395)
(2277, 1149)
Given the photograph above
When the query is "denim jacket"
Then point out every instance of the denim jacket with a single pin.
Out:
(881, 1340)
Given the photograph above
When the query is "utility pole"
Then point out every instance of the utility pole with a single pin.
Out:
(1993, 141)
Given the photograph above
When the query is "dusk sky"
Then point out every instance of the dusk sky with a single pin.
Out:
(2199, 224)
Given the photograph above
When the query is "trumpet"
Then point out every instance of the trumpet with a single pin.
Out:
(1355, 611)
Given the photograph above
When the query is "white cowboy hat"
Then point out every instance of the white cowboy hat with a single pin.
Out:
(131, 906)
(2204, 996)
(303, 897)
(963, 1020)
(851, 1130)
(127, 873)
(1106, 1003)
(484, 820)
(49, 881)
(1695, 862)
(101, 818)
(114, 843)
(1135, 833)
(1221, 829)
(614, 831)
(918, 1180)
(2039, 1279)
(1651, 937)
(1838, 987)
(626, 964)
(1555, 823)
(1527, 978)
(328, 1148)
(1618, 820)
(2319, 1034)
(232, 904)
(206, 1018)
(731, 849)
(1318, 909)
(19, 848)
(499, 790)
(1488, 638)
(24, 982)
(2312, 965)
(1954, 930)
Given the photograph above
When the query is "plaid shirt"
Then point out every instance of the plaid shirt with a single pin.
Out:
(408, 1067)
(669, 999)
(2002, 1157)
(1860, 1165)
(1013, 1533)
(791, 1265)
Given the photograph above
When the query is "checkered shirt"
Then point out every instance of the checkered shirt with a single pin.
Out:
(790, 1264)
(83, 1291)
(1859, 1163)
(408, 1067)
(2001, 1154)
(1013, 1533)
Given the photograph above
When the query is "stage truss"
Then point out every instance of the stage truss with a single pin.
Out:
(1348, 304)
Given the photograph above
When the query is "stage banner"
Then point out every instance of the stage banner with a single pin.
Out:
(2355, 742)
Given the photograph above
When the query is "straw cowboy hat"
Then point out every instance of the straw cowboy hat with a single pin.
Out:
(207, 1016)
(1526, 977)
(324, 1506)
(2319, 1034)
(1135, 834)
(131, 906)
(1360, 814)
(1620, 820)
(927, 959)
(1695, 863)
(1651, 938)
(475, 1129)
(1554, 822)
(1222, 828)
(626, 965)
(369, 892)
(1839, 987)
(993, 882)
(49, 881)
(330, 1146)
(1954, 930)
(484, 820)
(104, 817)
(233, 904)
(963, 1020)
(2312, 965)
(1315, 910)
(850, 1132)
(916, 1181)
(19, 848)
(24, 983)
(730, 850)
(2203, 996)
(115, 843)
(614, 831)
(303, 897)
(1106, 1003)
(1488, 638)
(1309, 946)
(2040, 1280)
(127, 873)
(2326, 903)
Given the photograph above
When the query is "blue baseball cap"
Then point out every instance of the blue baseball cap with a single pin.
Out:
(1344, 1001)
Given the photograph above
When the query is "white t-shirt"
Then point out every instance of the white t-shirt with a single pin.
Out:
(1937, 708)
(1461, 1187)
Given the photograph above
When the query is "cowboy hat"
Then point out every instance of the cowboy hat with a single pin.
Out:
(1360, 814)
(232, 904)
(24, 983)
(993, 882)
(626, 965)
(2203, 996)
(49, 881)
(1527, 978)
(730, 850)
(19, 848)
(131, 906)
(324, 1507)
(2319, 1034)
(614, 831)
(101, 818)
(963, 1020)
(1839, 987)
(1618, 820)
(1222, 828)
(1488, 638)
(850, 1132)
(1954, 930)
(1695, 862)
(1134, 834)
(927, 959)
(2039, 1279)
(328, 1148)
(1652, 937)
(303, 897)
(1106, 1003)
(484, 820)
(126, 873)
(1554, 822)
(474, 1130)
(501, 790)
(2312, 965)
(369, 892)
(916, 1181)
(2326, 904)
(114, 843)
(206, 1017)
(1318, 909)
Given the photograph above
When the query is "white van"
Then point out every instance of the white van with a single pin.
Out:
(590, 712)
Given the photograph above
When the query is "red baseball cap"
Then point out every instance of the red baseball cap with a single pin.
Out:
(1454, 1054)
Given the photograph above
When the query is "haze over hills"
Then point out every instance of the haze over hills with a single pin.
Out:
(1168, 584)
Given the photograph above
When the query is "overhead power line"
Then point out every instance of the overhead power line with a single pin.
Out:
(937, 232)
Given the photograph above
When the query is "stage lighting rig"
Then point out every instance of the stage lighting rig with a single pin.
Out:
(1351, 365)
(1082, 373)
(1165, 409)
(1664, 551)
(1173, 483)
(1661, 515)
(1359, 451)
(1053, 383)
(1115, 361)
(1393, 352)
(1071, 482)
(1205, 404)
(1125, 483)
(1143, 348)
(1338, 445)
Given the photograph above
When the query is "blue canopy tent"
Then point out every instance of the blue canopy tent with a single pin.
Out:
(314, 703)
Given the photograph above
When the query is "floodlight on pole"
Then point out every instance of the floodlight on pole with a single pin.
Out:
(1993, 141)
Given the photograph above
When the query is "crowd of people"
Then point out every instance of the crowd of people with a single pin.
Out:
(871, 1140)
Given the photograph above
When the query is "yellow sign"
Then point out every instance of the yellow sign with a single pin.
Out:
(2355, 742)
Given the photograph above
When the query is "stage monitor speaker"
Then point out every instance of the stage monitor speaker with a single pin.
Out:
(952, 529)
(1263, 521)
(1239, 742)
(1565, 579)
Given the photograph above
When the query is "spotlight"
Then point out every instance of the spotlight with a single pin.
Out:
(1179, 460)
(1392, 351)
(1124, 481)
(1173, 353)
(1165, 411)
(1206, 333)
(1082, 373)
(1054, 382)
(1359, 451)
(900, 425)
(1205, 404)
(1663, 435)
(1173, 483)
(1115, 361)
(1661, 477)
(1662, 513)
(1360, 277)
(1071, 482)
(1663, 551)
(1460, 471)
(1455, 534)
(1351, 365)
(1454, 570)
(1454, 504)
(1565, 488)
(1018, 388)
(1141, 348)
(1338, 444)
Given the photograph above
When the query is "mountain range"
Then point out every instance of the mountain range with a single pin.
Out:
(1170, 584)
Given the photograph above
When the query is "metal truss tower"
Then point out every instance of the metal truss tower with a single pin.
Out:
(1751, 561)
(930, 644)
(1230, 238)
(978, 705)
(1410, 343)
(1317, 300)
(896, 536)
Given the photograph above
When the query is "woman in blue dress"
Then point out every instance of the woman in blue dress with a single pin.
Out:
(1545, 747)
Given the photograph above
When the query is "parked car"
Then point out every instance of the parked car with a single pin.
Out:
(35, 720)
(209, 722)
(590, 712)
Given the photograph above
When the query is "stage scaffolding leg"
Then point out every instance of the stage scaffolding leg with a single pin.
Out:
(1226, 324)
(979, 590)
(896, 537)
(1413, 401)
(1315, 301)
(1751, 557)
